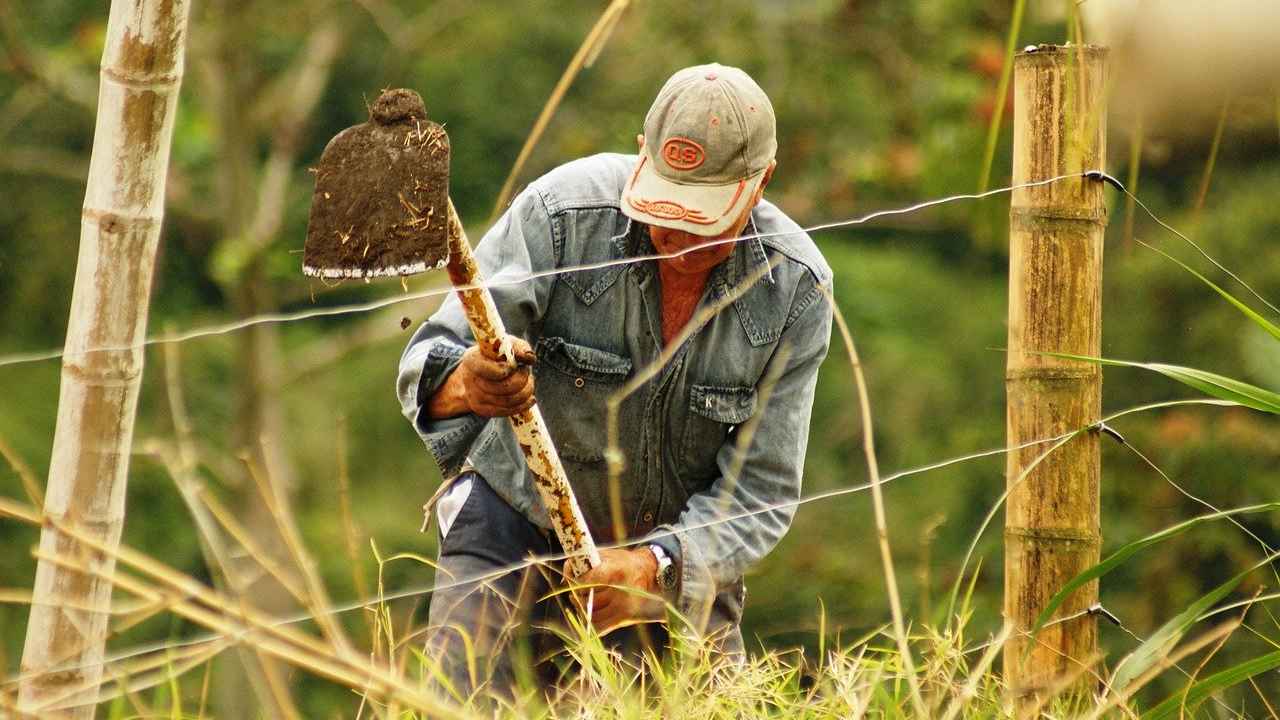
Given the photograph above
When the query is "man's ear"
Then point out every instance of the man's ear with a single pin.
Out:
(768, 175)
(640, 141)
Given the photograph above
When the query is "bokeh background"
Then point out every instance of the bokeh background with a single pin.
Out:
(879, 103)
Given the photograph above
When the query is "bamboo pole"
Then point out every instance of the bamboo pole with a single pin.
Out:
(119, 231)
(1055, 305)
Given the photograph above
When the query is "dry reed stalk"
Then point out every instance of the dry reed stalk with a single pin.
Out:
(586, 55)
(316, 598)
(200, 604)
(244, 538)
(1131, 179)
(877, 503)
(264, 677)
(16, 596)
(1207, 175)
(143, 674)
(350, 531)
(224, 617)
(1191, 678)
(30, 485)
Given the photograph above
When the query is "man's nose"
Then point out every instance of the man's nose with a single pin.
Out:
(684, 239)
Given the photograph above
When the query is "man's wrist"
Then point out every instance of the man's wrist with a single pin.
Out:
(448, 400)
(649, 565)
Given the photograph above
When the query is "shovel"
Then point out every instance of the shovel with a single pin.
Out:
(381, 208)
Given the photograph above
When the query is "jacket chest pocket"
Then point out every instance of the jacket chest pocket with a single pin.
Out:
(572, 383)
(713, 413)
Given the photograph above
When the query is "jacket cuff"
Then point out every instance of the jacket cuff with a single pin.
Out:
(697, 590)
(440, 362)
(448, 439)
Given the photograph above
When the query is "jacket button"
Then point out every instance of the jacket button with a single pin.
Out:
(648, 517)
(579, 382)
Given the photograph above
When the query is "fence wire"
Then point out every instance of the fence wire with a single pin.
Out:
(370, 306)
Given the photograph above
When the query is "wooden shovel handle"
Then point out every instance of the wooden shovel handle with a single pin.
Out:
(531, 430)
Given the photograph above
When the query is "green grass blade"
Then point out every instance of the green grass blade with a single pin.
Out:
(1114, 560)
(1170, 634)
(1171, 707)
(1218, 386)
(1248, 311)
(1002, 91)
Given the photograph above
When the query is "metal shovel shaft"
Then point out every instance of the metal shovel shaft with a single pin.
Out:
(531, 431)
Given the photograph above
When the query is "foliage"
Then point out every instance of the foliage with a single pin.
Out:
(879, 103)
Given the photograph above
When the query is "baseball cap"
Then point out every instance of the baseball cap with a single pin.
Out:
(708, 140)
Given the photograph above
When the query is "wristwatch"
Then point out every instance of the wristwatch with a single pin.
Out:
(666, 577)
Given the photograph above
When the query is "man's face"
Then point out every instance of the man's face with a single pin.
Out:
(667, 241)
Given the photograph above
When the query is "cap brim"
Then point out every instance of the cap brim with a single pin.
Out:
(698, 209)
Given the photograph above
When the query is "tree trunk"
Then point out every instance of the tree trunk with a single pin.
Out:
(1055, 305)
(120, 229)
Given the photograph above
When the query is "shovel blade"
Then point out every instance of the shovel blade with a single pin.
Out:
(381, 201)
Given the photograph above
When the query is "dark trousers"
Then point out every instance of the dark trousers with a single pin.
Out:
(500, 631)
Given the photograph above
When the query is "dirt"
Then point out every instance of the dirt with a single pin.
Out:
(381, 201)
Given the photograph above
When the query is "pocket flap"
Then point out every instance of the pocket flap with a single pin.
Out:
(582, 361)
(731, 405)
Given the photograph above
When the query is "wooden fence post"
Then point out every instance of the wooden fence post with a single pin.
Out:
(1055, 305)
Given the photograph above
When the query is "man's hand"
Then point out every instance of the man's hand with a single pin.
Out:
(488, 387)
(632, 592)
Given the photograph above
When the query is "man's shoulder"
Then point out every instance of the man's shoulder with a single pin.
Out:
(595, 181)
(779, 232)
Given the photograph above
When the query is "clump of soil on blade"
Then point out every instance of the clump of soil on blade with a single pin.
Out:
(381, 200)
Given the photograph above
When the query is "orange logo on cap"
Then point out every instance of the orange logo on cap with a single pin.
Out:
(681, 153)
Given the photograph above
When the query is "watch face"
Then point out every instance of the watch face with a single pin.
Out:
(667, 577)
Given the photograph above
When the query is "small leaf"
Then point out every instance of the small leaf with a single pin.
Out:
(1163, 640)
(1206, 382)
(1249, 312)
(1171, 707)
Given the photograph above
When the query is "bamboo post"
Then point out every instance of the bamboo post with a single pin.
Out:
(119, 232)
(1055, 305)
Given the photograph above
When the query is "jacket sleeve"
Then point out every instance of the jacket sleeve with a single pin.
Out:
(520, 244)
(737, 521)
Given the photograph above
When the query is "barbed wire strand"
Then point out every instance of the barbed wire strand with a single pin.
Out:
(357, 308)
(1097, 175)
(550, 558)
(1266, 547)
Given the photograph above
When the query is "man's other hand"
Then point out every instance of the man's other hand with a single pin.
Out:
(488, 387)
(627, 588)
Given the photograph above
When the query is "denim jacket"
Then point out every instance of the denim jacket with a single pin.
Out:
(684, 463)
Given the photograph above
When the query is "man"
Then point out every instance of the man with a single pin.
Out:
(700, 498)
